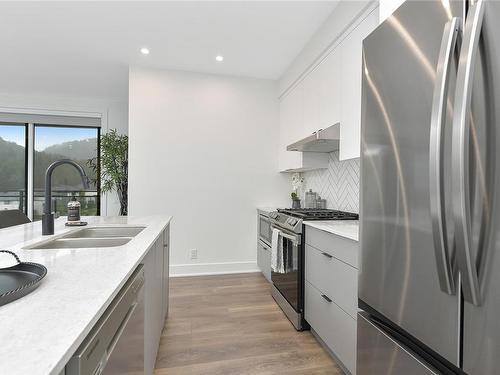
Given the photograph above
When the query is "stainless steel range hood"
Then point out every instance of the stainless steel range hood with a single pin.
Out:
(324, 140)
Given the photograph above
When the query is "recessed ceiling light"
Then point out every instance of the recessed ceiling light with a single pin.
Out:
(145, 51)
(219, 58)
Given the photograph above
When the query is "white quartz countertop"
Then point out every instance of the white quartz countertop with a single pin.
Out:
(41, 331)
(344, 228)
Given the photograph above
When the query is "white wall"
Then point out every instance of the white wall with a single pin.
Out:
(114, 113)
(203, 149)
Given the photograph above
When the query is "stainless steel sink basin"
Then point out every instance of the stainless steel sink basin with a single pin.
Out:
(76, 243)
(90, 237)
(105, 232)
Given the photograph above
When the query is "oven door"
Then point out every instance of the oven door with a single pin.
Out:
(265, 230)
(290, 282)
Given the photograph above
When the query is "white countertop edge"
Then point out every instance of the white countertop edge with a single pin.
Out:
(344, 228)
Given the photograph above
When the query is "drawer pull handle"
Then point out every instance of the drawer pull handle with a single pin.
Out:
(327, 255)
(326, 298)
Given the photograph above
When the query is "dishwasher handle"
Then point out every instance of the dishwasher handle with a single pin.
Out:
(118, 333)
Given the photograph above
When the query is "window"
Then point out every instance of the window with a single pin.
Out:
(26, 150)
(13, 179)
(60, 142)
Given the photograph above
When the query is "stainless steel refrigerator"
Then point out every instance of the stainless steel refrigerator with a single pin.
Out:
(429, 283)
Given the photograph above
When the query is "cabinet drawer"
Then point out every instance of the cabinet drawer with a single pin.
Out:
(341, 248)
(264, 260)
(338, 280)
(335, 327)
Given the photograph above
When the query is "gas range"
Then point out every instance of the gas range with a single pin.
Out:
(292, 218)
(289, 246)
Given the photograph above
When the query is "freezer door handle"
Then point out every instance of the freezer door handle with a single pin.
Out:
(449, 44)
(460, 156)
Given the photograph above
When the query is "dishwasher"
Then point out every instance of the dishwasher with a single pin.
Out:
(116, 343)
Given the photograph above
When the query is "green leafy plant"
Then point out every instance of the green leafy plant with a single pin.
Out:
(113, 168)
(295, 197)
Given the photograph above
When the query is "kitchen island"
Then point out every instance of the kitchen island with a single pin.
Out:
(41, 331)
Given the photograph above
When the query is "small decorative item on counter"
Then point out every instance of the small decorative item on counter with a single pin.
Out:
(295, 200)
(320, 203)
(74, 213)
(311, 199)
(73, 210)
(297, 183)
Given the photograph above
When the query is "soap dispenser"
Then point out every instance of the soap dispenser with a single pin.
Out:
(73, 211)
(74, 214)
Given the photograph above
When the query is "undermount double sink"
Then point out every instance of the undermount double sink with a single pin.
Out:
(92, 237)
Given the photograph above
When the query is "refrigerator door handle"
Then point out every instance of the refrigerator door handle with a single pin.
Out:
(449, 44)
(460, 157)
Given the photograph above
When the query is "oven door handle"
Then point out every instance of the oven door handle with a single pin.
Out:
(294, 238)
(289, 237)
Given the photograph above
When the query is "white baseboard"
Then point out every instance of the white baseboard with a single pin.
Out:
(177, 270)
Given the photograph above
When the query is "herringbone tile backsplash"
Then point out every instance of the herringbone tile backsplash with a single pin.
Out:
(338, 184)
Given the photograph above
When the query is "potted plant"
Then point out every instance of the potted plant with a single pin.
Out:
(295, 200)
(113, 167)
(297, 182)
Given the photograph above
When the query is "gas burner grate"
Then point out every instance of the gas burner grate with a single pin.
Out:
(319, 214)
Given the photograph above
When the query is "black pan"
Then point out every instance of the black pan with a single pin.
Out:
(19, 280)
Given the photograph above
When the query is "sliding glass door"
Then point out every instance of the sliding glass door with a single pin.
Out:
(53, 143)
(13, 172)
(26, 150)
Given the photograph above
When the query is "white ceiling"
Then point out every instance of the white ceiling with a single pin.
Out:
(85, 48)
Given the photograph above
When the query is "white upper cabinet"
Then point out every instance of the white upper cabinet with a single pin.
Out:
(311, 95)
(350, 74)
(330, 93)
(321, 95)
(329, 90)
(290, 115)
(293, 128)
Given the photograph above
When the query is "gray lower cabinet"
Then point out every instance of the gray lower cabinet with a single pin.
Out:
(155, 298)
(264, 259)
(338, 280)
(166, 265)
(336, 328)
(342, 248)
(331, 292)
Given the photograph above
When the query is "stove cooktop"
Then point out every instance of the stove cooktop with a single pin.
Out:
(318, 214)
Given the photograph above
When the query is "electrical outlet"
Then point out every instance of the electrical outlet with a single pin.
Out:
(193, 253)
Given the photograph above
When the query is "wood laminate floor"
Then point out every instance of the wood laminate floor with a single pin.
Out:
(230, 324)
